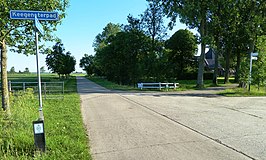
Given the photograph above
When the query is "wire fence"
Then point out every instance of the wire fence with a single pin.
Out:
(50, 90)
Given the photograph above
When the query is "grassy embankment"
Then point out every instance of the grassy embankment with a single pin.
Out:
(64, 130)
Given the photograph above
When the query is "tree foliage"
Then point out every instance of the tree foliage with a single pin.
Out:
(60, 62)
(101, 39)
(120, 60)
(234, 27)
(195, 14)
(183, 46)
(18, 34)
(259, 67)
(231, 27)
(152, 21)
(27, 70)
(132, 55)
(87, 64)
(137, 52)
(12, 70)
(42, 70)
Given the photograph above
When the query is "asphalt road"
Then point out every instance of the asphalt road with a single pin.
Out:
(186, 125)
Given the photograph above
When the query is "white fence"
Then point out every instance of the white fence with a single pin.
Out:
(50, 90)
(158, 85)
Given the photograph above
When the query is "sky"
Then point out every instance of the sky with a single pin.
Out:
(84, 21)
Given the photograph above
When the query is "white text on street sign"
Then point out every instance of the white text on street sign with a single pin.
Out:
(30, 15)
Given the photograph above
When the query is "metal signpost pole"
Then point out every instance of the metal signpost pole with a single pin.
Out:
(41, 117)
(253, 56)
(250, 70)
(38, 126)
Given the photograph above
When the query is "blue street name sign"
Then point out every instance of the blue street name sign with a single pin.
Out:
(30, 15)
(39, 26)
(255, 54)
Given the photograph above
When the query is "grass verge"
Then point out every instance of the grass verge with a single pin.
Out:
(183, 85)
(243, 92)
(187, 85)
(65, 134)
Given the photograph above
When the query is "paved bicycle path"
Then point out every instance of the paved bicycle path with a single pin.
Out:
(120, 129)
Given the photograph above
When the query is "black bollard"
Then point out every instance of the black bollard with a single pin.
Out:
(39, 136)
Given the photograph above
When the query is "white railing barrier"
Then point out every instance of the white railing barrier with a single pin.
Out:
(158, 85)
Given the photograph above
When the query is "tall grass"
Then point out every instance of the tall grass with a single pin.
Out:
(64, 131)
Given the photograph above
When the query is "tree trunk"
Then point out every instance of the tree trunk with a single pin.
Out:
(5, 95)
(227, 65)
(238, 67)
(200, 83)
(215, 74)
(218, 49)
(216, 65)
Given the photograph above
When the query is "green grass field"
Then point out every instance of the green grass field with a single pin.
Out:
(65, 134)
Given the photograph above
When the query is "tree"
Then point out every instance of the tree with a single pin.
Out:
(60, 62)
(133, 24)
(54, 60)
(118, 60)
(12, 70)
(153, 23)
(101, 39)
(87, 64)
(69, 63)
(42, 70)
(17, 34)
(26, 70)
(235, 26)
(153, 26)
(183, 46)
(215, 29)
(259, 66)
(195, 14)
(121, 59)
(252, 20)
(220, 30)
